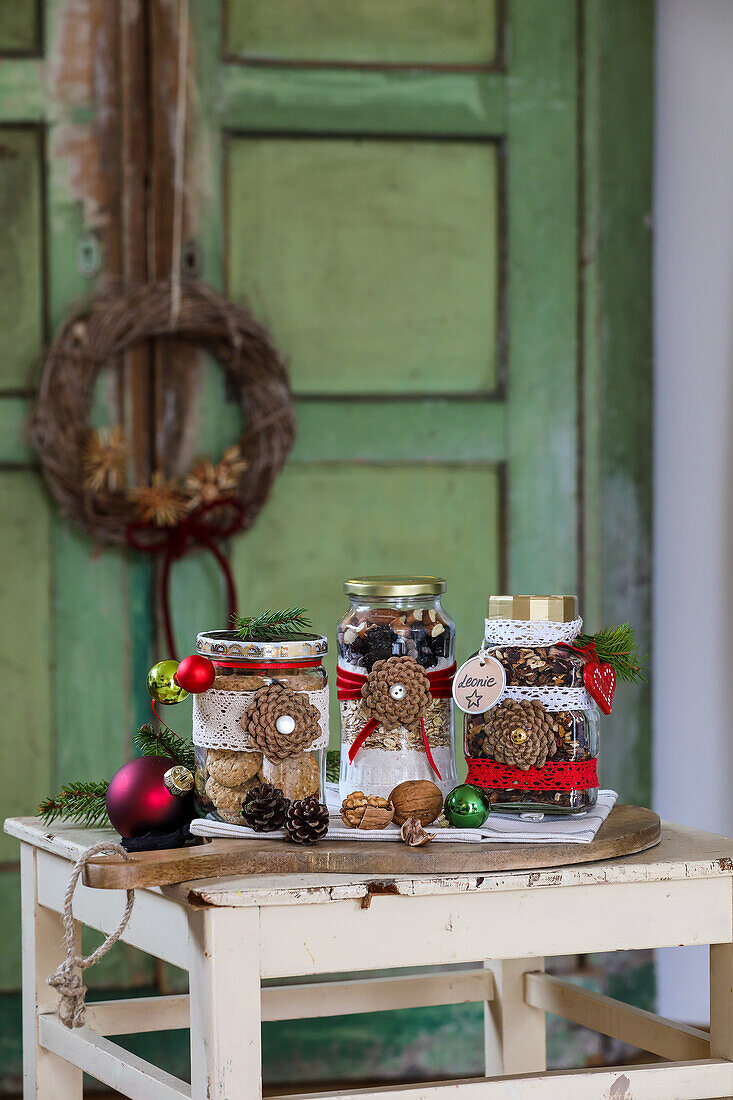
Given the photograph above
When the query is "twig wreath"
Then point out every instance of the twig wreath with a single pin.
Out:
(86, 467)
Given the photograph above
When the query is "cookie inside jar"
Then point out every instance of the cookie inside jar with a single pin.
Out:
(264, 720)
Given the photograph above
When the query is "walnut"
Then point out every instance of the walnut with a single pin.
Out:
(416, 798)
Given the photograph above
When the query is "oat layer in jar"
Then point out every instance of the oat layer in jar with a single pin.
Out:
(264, 720)
(396, 662)
(537, 748)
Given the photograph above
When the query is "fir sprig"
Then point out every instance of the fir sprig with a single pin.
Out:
(272, 625)
(164, 742)
(617, 646)
(333, 765)
(85, 803)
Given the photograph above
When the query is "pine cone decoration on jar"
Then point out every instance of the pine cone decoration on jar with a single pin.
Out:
(264, 808)
(397, 693)
(306, 821)
(280, 722)
(521, 734)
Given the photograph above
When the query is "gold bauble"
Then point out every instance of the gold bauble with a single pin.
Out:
(162, 683)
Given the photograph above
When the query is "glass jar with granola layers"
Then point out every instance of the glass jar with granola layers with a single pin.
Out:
(264, 720)
(536, 750)
(396, 647)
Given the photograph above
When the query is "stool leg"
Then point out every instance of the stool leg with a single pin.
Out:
(45, 1075)
(721, 1001)
(514, 1032)
(224, 975)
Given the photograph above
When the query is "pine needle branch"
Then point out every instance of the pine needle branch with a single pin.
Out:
(272, 625)
(617, 646)
(164, 742)
(333, 765)
(85, 803)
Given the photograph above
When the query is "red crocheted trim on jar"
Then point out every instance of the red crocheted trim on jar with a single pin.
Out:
(581, 776)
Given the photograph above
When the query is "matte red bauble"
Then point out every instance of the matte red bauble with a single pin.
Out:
(195, 674)
(138, 799)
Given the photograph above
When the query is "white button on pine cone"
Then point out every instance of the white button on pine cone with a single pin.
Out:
(406, 707)
(269, 704)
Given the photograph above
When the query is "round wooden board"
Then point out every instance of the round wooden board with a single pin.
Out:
(627, 829)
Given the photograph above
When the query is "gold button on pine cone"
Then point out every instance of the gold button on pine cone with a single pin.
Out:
(395, 712)
(259, 721)
(521, 734)
(361, 811)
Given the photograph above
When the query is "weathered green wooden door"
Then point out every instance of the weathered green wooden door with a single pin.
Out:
(439, 209)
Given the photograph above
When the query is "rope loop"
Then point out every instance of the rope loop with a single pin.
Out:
(67, 980)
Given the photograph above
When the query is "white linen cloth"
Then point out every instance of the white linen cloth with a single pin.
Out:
(499, 828)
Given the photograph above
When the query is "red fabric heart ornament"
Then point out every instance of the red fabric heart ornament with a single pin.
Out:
(600, 683)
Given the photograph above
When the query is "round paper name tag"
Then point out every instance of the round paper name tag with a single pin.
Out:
(479, 684)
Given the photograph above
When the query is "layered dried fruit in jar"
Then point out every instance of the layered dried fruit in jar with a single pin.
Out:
(539, 666)
(576, 741)
(369, 635)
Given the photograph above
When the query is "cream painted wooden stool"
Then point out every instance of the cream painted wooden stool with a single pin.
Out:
(230, 934)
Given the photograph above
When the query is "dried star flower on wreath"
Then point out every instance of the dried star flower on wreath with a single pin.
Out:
(159, 503)
(208, 481)
(105, 459)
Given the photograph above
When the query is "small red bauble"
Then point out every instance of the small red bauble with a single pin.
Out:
(138, 799)
(195, 674)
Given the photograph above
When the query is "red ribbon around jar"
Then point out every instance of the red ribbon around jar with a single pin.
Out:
(565, 776)
(349, 685)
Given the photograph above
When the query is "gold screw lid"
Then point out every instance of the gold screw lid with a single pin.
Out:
(553, 609)
(394, 586)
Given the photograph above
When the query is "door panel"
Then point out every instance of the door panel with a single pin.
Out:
(21, 277)
(374, 261)
(20, 25)
(26, 747)
(368, 31)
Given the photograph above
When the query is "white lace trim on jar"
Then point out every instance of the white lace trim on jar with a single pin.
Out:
(217, 714)
(529, 632)
(552, 698)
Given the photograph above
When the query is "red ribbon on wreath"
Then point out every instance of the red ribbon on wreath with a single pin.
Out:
(219, 519)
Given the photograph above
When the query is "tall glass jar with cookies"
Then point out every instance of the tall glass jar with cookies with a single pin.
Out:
(264, 720)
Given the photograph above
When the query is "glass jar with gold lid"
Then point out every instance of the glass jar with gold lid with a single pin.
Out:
(396, 647)
(264, 720)
(536, 749)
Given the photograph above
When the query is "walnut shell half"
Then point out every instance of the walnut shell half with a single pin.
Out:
(359, 811)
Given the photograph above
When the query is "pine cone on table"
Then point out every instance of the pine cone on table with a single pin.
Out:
(275, 705)
(521, 734)
(264, 809)
(306, 821)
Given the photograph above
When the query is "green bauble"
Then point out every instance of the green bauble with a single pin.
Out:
(162, 683)
(467, 807)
